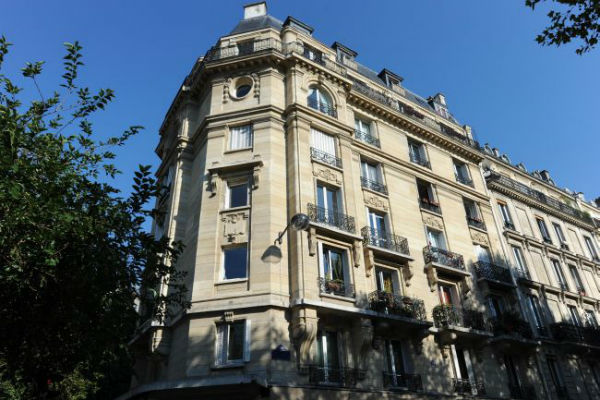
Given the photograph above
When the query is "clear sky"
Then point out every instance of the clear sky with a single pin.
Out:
(537, 104)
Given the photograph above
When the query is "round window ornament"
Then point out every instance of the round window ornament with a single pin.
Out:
(241, 87)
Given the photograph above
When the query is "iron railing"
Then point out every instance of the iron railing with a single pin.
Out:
(242, 49)
(390, 303)
(331, 376)
(561, 392)
(509, 225)
(464, 180)
(476, 222)
(418, 159)
(408, 381)
(323, 107)
(493, 272)
(367, 138)
(337, 287)
(567, 332)
(446, 315)
(523, 273)
(373, 185)
(325, 157)
(466, 386)
(430, 205)
(388, 241)
(444, 257)
(330, 217)
(511, 324)
(524, 392)
(538, 196)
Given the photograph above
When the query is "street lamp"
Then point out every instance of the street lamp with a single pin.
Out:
(272, 254)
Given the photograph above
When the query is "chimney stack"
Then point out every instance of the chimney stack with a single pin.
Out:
(253, 10)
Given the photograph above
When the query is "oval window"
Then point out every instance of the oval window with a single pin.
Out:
(242, 90)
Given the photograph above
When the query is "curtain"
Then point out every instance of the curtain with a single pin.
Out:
(322, 141)
(240, 137)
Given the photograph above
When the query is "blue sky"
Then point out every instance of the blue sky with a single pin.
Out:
(537, 104)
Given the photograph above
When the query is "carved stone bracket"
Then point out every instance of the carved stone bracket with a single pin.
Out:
(363, 337)
(479, 237)
(304, 331)
(211, 184)
(312, 242)
(369, 261)
(255, 177)
(432, 278)
(407, 273)
(356, 250)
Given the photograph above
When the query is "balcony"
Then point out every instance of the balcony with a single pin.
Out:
(524, 392)
(445, 316)
(422, 161)
(373, 185)
(334, 219)
(444, 258)
(325, 157)
(476, 222)
(323, 107)
(468, 387)
(570, 333)
(510, 323)
(509, 225)
(381, 240)
(431, 205)
(242, 49)
(403, 381)
(464, 180)
(493, 273)
(393, 304)
(506, 183)
(337, 287)
(330, 376)
(367, 138)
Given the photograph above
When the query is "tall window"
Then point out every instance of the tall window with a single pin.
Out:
(520, 262)
(577, 279)
(371, 177)
(536, 312)
(233, 343)
(447, 294)
(427, 196)
(387, 280)
(590, 319)
(473, 214)
(461, 172)
(591, 247)
(558, 273)
(329, 203)
(435, 238)
(463, 370)
(321, 101)
(334, 271)
(240, 137)
(396, 368)
(495, 305)
(323, 148)
(506, 218)
(574, 316)
(237, 194)
(362, 126)
(235, 262)
(313, 54)
(561, 236)
(417, 153)
(543, 230)
(511, 370)
(556, 376)
(328, 356)
(377, 223)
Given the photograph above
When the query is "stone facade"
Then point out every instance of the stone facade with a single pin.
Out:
(404, 283)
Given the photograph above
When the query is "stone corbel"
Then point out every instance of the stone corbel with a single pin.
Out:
(312, 242)
(356, 249)
(255, 177)
(465, 285)
(432, 278)
(211, 184)
(363, 337)
(228, 316)
(304, 331)
(407, 272)
(369, 261)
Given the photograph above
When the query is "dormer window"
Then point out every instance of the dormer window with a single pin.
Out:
(321, 101)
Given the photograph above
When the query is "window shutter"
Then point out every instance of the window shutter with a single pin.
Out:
(247, 341)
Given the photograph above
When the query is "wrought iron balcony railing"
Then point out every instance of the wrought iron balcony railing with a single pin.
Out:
(524, 392)
(408, 381)
(242, 49)
(390, 303)
(418, 159)
(464, 180)
(523, 273)
(466, 386)
(511, 324)
(567, 332)
(325, 157)
(323, 107)
(505, 181)
(367, 138)
(330, 217)
(476, 222)
(337, 287)
(388, 241)
(373, 185)
(493, 272)
(446, 315)
(330, 376)
(444, 257)
(509, 225)
(562, 392)
(430, 205)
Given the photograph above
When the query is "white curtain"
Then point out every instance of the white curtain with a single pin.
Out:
(322, 141)
(240, 137)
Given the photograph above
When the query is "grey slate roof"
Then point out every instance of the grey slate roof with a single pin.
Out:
(256, 23)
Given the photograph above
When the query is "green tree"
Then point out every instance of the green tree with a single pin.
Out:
(74, 257)
(574, 20)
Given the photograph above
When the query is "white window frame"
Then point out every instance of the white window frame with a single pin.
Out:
(519, 259)
(396, 284)
(236, 182)
(559, 273)
(222, 344)
(591, 247)
(458, 166)
(345, 261)
(237, 142)
(505, 213)
(323, 141)
(366, 171)
(431, 231)
(362, 126)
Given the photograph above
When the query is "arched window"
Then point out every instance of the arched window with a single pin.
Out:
(319, 100)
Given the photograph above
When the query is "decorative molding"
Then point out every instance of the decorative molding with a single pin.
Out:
(312, 241)
(328, 175)
(356, 250)
(376, 202)
(407, 273)
(369, 261)
(256, 85)
(228, 316)
(433, 221)
(479, 237)
(304, 331)
(234, 225)
(226, 88)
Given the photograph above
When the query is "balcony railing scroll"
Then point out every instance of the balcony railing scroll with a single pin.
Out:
(325, 157)
(444, 257)
(390, 303)
(367, 138)
(406, 381)
(468, 387)
(446, 315)
(242, 49)
(321, 106)
(567, 332)
(388, 241)
(493, 272)
(338, 287)
(332, 376)
(330, 217)
(511, 324)
(373, 185)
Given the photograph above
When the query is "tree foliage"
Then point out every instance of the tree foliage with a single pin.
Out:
(74, 257)
(576, 20)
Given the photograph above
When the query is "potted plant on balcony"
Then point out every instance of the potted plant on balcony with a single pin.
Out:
(444, 315)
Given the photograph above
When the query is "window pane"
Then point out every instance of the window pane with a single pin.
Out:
(241, 137)
(235, 262)
(235, 349)
(238, 195)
